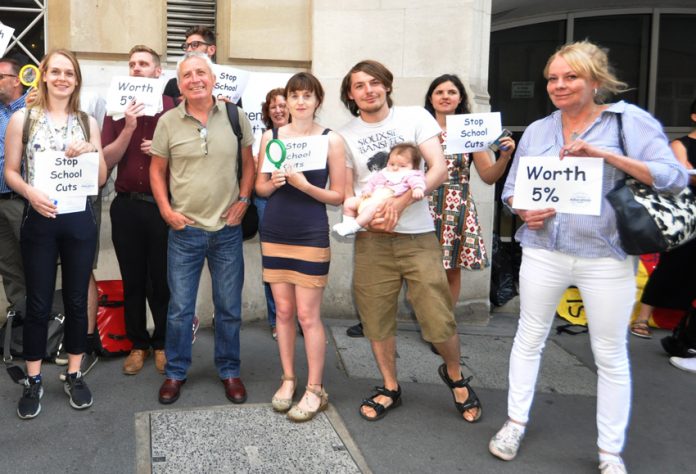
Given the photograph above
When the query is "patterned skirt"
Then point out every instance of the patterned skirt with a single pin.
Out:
(457, 226)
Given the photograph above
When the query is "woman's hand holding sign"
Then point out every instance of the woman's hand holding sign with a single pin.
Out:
(79, 147)
(40, 202)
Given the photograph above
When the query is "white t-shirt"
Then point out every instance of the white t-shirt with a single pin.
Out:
(367, 151)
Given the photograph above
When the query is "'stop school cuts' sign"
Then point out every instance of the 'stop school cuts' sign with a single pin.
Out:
(302, 154)
(472, 132)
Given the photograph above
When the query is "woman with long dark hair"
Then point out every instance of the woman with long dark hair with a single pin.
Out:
(452, 205)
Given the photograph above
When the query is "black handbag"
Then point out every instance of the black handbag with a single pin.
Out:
(250, 221)
(649, 221)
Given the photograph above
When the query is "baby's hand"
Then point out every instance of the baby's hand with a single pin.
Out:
(417, 194)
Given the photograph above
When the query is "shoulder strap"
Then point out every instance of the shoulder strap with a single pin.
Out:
(28, 125)
(6, 356)
(83, 120)
(275, 133)
(326, 131)
(233, 116)
(622, 138)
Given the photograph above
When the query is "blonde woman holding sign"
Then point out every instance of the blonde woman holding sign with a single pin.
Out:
(563, 249)
(46, 234)
(295, 242)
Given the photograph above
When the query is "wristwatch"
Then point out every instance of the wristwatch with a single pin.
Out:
(244, 199)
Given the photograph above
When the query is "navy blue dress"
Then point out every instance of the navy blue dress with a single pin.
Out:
(295, 234)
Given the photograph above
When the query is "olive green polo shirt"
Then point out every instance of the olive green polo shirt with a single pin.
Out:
(202, 185)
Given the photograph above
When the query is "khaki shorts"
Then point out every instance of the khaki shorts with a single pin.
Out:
(382, 263)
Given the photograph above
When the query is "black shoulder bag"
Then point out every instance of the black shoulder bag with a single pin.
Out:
(250, 221)
(649, 221)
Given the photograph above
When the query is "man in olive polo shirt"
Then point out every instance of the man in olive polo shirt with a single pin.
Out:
(193, 176)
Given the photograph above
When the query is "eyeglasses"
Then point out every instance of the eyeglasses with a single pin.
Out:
(193, 45)
(203, 135)
(2, 76)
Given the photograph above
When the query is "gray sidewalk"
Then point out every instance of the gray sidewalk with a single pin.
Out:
(128, 430)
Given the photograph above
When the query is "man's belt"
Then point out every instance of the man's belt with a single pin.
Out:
(10, 195)
(138, 197)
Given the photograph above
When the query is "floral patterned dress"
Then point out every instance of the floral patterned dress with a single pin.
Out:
(453, 210)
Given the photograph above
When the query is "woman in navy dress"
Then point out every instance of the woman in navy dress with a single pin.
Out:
(295, 245)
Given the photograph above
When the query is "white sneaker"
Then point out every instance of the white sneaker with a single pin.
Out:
(506, 442)
(607, 467)
(682, 363)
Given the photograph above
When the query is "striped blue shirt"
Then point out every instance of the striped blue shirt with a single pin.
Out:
(6, 112)
(597, 236)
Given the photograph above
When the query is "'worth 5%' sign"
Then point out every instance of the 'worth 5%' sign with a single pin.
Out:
(572, 185)
(126, 89)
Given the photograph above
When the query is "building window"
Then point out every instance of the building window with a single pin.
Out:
(676, 70)
(627, 37)
(27, 19)
(659, 64)
(516, 81)
(183, 14)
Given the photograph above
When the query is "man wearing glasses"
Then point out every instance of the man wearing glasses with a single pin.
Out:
(137, 229)
(193, 175)
(198, 38)
(11, 204)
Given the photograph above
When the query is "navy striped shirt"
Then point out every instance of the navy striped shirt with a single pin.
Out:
(6, 112)
(597, 236)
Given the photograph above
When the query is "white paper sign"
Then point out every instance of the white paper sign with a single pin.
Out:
(59, 176)
(5, 37)
(572, 185)
(231, 82)
(303, 154)
(124, 89)
(472, 132)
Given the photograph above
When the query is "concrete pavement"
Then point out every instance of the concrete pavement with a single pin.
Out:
(127, 430)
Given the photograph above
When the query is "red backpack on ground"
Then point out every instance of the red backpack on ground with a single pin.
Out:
(111, 324)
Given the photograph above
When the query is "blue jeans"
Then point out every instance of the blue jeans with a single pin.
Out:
(260, 204)
(187, 251)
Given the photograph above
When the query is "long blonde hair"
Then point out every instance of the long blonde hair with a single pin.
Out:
(590, 62)
(42, 99)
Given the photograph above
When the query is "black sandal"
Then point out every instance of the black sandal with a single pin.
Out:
(381, 410)
(471, 402)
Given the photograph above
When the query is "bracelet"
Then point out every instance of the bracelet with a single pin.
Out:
(245, 200)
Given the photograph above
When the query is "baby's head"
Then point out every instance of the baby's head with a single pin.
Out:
(404, 156)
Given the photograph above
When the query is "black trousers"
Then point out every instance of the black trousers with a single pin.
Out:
(139, 235)
(73, 237)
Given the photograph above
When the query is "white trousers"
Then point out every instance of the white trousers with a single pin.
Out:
(608, 292)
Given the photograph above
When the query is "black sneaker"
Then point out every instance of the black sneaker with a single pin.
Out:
(88, 361)
(30, 404)
(76, 388)
(355, 331)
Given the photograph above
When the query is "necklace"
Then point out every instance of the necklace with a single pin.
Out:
(575, 134)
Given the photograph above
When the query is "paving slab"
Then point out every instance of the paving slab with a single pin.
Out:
(243, 439)
(484, 357)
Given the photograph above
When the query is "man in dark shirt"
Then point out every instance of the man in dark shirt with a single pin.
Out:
(198, 38)
(137, 229)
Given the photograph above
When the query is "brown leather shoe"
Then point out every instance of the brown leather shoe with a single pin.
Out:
(160, 360)
(169, 391)
(234, 390)
(135, 360)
